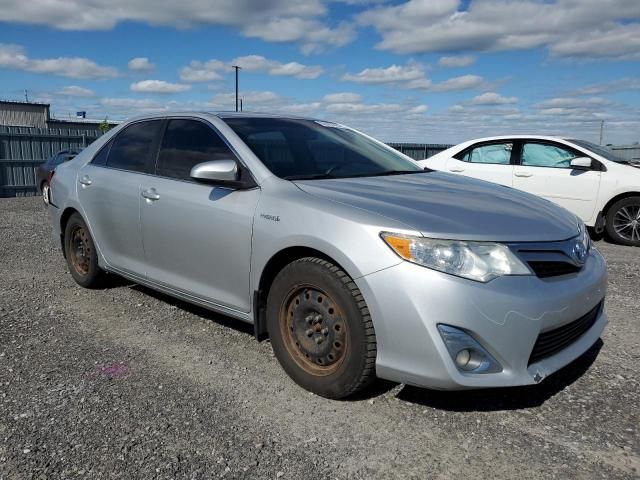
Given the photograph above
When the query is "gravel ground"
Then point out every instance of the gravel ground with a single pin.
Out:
(128, 383)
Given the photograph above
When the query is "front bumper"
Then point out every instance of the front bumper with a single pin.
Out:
(505, 316)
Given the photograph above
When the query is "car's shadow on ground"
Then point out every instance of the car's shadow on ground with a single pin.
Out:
(495, 399)
(223, 320)
(513, 398)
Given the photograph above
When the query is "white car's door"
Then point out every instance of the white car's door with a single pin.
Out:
(544, 169)
(490, 161)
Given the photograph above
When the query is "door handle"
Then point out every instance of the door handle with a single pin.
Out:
(523, 174)
(150, 194)
(456, 169)
(85, 181)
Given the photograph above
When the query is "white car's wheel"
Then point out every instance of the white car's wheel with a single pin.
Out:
(45, 193)
(623, 221)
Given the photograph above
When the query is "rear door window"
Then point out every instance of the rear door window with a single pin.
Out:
(495, 153)
(133, 148)
(187, 143)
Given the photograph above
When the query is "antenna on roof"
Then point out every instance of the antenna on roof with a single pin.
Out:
(236, 67)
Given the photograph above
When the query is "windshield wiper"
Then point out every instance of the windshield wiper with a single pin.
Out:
(395, 172)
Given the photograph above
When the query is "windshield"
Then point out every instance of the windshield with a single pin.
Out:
(306, 149)
(602, 151)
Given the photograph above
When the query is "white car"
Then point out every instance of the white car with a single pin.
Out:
(591, 181)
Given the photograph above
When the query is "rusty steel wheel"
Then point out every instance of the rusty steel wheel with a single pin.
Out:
(314, 330)
(81, 250)
(320, 328)
(81, 253)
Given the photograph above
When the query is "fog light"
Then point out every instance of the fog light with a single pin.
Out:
(467, 354)
(463, 357)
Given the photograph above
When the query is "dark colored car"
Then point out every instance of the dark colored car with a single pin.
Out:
(45, 170)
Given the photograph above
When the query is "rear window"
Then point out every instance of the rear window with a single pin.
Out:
(132, 148)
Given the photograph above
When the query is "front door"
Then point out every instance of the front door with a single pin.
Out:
(545, 170)
(197, 237)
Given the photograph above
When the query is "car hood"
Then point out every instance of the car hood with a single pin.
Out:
(442, 205)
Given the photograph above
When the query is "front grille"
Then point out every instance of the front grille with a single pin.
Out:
(544, 269)
(551, 342)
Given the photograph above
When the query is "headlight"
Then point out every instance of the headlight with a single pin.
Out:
(481, 261)
(582, 244)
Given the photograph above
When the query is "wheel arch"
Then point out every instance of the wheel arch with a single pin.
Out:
(620, 196)
(64, 218)
(271, 269)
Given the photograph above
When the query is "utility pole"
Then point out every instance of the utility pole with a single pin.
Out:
(26, 96)
(241, 104)
(236, 67)
(601, 130)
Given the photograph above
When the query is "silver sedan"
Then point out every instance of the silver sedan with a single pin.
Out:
(355, 262)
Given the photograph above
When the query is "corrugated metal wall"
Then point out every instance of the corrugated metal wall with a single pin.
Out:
(419, 151)
(628, 152)
(22, 149)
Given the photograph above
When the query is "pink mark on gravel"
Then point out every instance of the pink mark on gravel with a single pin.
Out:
(112, 370)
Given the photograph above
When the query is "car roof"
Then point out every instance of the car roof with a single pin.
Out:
(220, 114)
(516, 137)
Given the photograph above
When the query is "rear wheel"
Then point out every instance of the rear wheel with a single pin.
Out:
(623, 221)
(82, 257)
(44, 188)
(320, 328)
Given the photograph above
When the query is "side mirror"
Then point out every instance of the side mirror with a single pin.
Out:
(581, 163)
(216, 171)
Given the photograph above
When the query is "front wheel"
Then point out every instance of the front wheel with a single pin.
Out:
(82, 257)
(623, 221)
(320, 328)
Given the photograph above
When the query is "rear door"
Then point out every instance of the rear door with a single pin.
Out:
(544, 169)
(109, 192)
(197, 237)
(490, 161)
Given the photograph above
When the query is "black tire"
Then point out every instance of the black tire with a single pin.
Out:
(338, 358)
(625, 211)
(82, 257)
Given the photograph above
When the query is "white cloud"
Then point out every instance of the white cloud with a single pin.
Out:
(358, 108)
(198, 72)
(75, 91)
(314, 36)
(140, 64)
(456, 61)
(573, 102)
(569, 28)
(492, 98)
(258, 63)
(618, 85)
(412, 76)
(464, 82)
(297, 21)
(249, 99)
(158, 86)
(389, 75)
(15, 57)
(342, 97)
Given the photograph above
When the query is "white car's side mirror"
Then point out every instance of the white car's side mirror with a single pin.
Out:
(581, 163)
